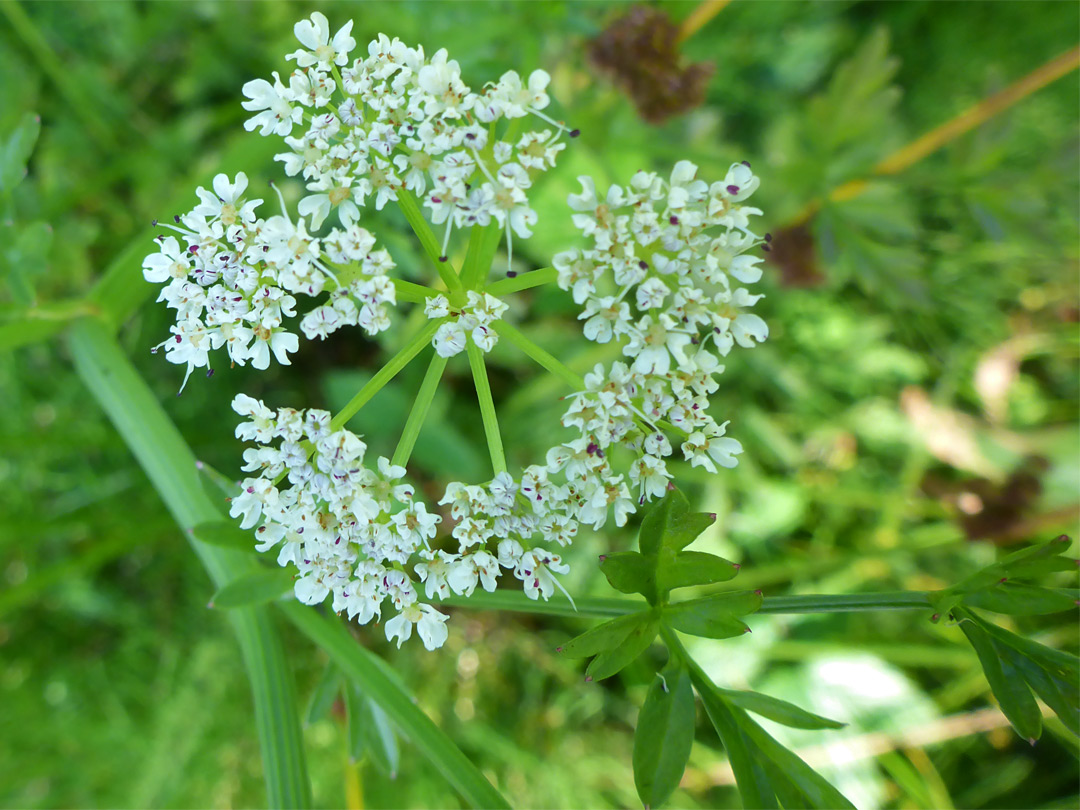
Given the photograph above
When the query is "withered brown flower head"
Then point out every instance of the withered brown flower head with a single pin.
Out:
(640, 52)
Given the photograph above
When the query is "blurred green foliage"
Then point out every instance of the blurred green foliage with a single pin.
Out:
(914, 410)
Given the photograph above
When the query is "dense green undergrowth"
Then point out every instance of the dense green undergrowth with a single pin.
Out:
(912, 418)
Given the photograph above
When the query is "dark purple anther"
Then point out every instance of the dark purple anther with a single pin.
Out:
(644, 265)
(209, 372)
(592, 448)
(674, 220)
(732, 189)
(176, 218)
(768, 237)
(746, 163)
(766, 248)
(443, 258)
(511, 273)
(574, 133)
(153, 223)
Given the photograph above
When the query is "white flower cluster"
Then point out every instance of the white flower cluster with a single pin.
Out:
(235, 280)
(354, 532)
(403, 120)
(472, 320)
(662, 279)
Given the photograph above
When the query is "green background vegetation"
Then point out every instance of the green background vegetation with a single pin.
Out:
(878, 457)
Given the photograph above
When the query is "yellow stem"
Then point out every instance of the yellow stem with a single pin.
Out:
(966, 121)
(705, 11)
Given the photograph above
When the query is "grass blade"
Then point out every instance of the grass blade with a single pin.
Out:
(170, 465)
(366, 669)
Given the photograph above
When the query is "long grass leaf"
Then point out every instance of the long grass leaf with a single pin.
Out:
(170, 465)
(367, 670)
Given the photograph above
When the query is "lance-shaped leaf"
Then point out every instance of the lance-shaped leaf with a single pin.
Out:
(664, 736)
(764, 769)
(1035, 561)
(630, 572)
(1011, 690)
(1055, 692)
(779, 711)
(358, 718)
(226, 534)
(255, 588)
(756, 789)
(1063, 664)
(324, 694)
(382, 743)
(1018, 599)
(687, 568)
(604, 636)
(814, 787)
(713, 616)
(636, 642)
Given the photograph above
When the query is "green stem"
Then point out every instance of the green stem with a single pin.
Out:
(517, 602)
(540, 355)
(525, 281)
(846, 603)
(419, 410)
(413, 293)
(487, 407)
(483, 242)
(411, 209)
(385, 374)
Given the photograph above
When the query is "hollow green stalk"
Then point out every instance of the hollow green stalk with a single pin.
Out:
(386, 373)
(487, 408)
(419, 411)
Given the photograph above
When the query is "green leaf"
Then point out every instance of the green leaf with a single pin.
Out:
(225, 534)
(1054, 661)
(1017, 599)
(689, 568)
(656, 521)
(369, 672)
(325, 693)
(812, 785)
(713, 616)
(779, 711)
(370, 733)
(218, 488)
(685, 529)
(21, 331)
(1012, 692)
(630, 572)
(755, 788)
(382, 744)
(358, 718)
(603, 637)
(636, 642)
(1065, 705)
(16, 150)
(671, 524)
(664, 736)
(160, 449)
(254, 588)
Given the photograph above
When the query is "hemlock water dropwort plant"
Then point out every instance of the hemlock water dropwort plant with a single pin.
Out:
(663, 279)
